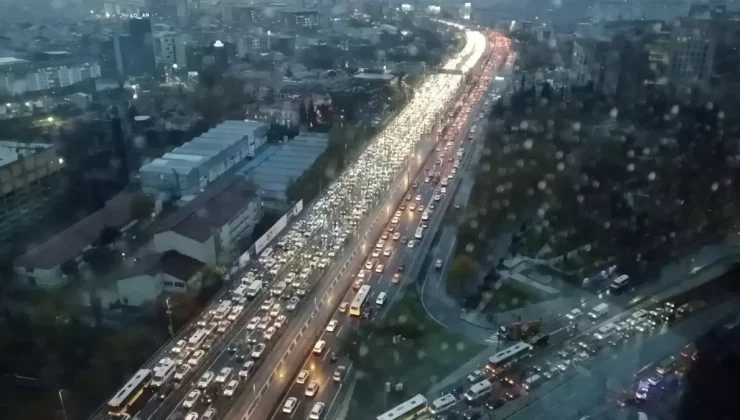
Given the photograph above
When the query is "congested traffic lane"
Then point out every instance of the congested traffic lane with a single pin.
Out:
(322, 368)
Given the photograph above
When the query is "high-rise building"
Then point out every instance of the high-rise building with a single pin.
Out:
(130, 54)
(691, 55)
(173, 13)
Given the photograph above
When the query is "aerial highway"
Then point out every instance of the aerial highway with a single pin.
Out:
(205, 368)
(377, 279)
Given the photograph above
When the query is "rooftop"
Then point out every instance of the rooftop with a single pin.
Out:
(221, 201)
(69, 243)
(11, 151)
(11, 60)
(173, 263)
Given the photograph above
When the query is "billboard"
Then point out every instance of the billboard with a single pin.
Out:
(244, 259)
(296, 209)
(271, 233)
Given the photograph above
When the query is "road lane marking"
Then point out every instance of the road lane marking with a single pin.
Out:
(339, 330)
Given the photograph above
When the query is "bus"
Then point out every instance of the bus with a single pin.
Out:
(498, 361)
(223, 309)
(239, 292)
(443, 403)
(619, 284)
(359, 301)
(197, 339)
(127, 399)
(414, 408)
(419, 232)
(163, 372)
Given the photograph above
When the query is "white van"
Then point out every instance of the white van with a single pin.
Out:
(381, 299)
(478, 390)
(318, 348)
(443, 403)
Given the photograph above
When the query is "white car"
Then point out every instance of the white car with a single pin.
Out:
(312, 389)
(290, 405)
(258, 350)
(266, 305)
(302, 376)
(280, 321)
(290, 277)
(223, 326)
(376, 253)
(205, 380)
(196, 357)
(411, 243)
(324, 263)
(264, 323)
(379, 268)
(230, 388)
(343, 307)
(177, 348)
(192, 416)
(223, 375)
(332, 325)
(396, 236)
(396, 214)
(412, 206)
(361, 274)
(269, 333)
(191, 399)
(369, 264)
(438, 264)
(387, 252)
(181, 372)
(437, 197)
(246, 368)
(418, 197)
(292, 303)
(275, 311)
(253, 323)
(395, 220)
(420, 208)
(316, 411)
(210, 414)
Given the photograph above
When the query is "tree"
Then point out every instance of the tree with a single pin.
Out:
(69, 268)
(303, 113)
(108, 235)
(289, 72)
(100, 259)
(142, 206)
(462, 274)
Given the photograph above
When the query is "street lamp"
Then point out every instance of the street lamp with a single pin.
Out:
(61, 400)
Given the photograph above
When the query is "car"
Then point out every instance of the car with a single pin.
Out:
(312, 389)
(290, 405)
(230, 388)
(408, 197)
(177, 348)
(208, 343)
(264, 322)
(403, 239)
(375, 253)
(396, 278)
(339, 373)
(438, 264)
(253, 323)
(302, 377)
(400, 267)
(357, 284)
(418, 197)
(411, 244)
(193, 415)
(332, 325)
(182, 371)
(655, 379)
(246, 368)
(316, 411)
(258, 350)
(387, 252)
(396, 236)
(369, 264)
(437, 197)
(343, 307)
(427, 179)
(165, 390)
(318, 348)
(280, 321)
(402, 206)
(292, 304)
(476, 376)
(420, 208)
(385, 235)
(206, 379)
(333, 357)
(267, 304)
(412, 206)
(191, 399)
(395, 220)
(210, 414)
(415, 185)
(396, 214)
(275, 310)
(223, 375)
(196, 357)
(379, 268)
(223, 326)
(269, 333)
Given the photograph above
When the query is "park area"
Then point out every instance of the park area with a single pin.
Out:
(408, 348)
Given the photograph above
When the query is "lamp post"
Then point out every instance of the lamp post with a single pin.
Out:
(61, 400)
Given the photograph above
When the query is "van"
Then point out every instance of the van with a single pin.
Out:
(478, 390)
(381, 299)
(318, 348)
(531, 382)
(443, 403)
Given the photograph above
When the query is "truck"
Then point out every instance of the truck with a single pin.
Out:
(598, 311)
(254, 288)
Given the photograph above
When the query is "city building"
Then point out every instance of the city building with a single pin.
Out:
(40, 266)
(278, 165)
(213, 225)
(30, 182)
(169, 48)
(172, 13)
(19, 76)
(188, 169)
(595, 61)
(285, 113)
(298, 18)
(148, 276)
(691, 55)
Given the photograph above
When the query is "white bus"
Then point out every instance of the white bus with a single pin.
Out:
(197, 339)
(222, 310)
(619, 284)
(478, 390)
(419, 232)
(239, 292)
(498, 361)
(605, 331)
(163, 372)
(124, 403)
(414, 408)
(355, 308)
(443, 403)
